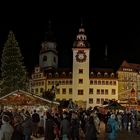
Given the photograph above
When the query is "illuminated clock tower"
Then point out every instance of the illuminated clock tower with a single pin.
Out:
(81, 55)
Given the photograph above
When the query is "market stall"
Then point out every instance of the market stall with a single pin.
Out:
(20, 99)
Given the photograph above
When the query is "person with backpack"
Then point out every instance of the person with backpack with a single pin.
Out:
(112, 128)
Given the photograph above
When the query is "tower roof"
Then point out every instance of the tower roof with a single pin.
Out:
(81, 38)
(49, 36)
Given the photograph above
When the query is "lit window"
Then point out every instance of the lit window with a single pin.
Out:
(103, 82)
(70, 74)
(102, 91)
(91, 91)
(67, 82)
(91, 82)
(90, 101)
(53, 82)
(80, 92)
(114, 82)
(50, 75)
(112, 74)
(56, 75)
(70, 81)
(70, 90)
(113, 91)
(107, 82)
(98, 101)
(63, 82)
(105, 74)
(63, 74)
(95, 82)
(39, 83)
(99, 82)
(106, 91)
(98, 74)
(80, 81)
(102, 100)
(80, 71)
(37, 70)
(45, 58)
(98, 91)
(92, 74)
(60, 82)
(63, 91)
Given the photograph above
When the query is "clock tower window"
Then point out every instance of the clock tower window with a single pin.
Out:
(45, 58)
(80, 81)
(54, 59)
(81, 71)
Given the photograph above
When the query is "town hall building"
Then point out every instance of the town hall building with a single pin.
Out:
(84, 85)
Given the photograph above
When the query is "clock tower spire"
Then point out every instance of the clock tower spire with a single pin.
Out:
(81, 52)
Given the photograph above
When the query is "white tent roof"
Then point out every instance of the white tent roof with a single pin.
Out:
(28, 94)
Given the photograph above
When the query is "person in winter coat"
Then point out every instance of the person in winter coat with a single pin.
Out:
(49, 127)
(75, 126)
(6, 129)
(18, 129)
(27, 127)
(114, 128)
(35, 120)
(65, 127)
(91, 132)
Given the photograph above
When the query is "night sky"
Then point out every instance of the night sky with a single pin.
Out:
(119, 29)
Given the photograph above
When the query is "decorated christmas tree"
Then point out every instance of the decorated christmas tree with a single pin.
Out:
(13, 73)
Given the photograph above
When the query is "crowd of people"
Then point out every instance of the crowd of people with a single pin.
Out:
(65, 125)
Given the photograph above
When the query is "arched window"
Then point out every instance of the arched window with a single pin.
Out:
(98, 74)
(50, 75)
(105, 74)
(91, 74)
(112, 74)
(70, 74)
(45, 58)
(54, 59)
(63, 74)
(56, 75)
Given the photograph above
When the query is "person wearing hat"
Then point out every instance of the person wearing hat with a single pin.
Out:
(6, 129)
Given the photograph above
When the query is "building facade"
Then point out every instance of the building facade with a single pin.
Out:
(82, 84)
(129, 81)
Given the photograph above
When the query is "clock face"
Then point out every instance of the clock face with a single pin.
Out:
(81, 56)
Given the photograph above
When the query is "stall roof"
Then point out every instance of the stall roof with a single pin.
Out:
(20, 97)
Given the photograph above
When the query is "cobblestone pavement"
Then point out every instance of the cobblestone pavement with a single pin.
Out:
(123, 135)
(33, 138)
